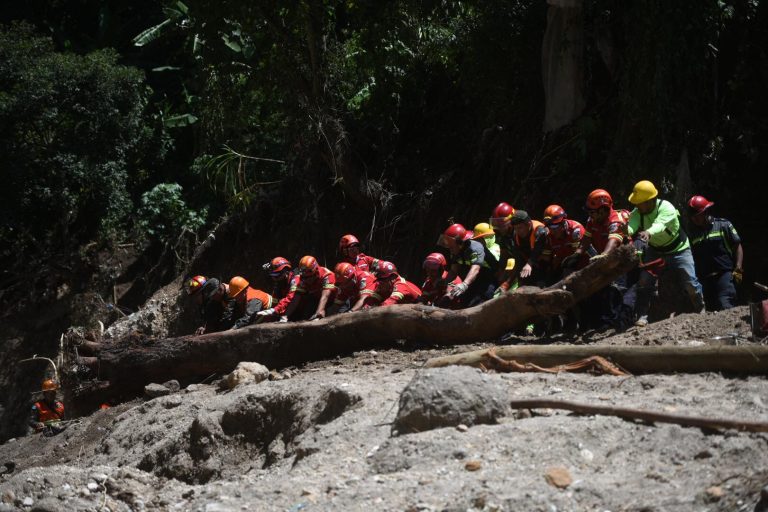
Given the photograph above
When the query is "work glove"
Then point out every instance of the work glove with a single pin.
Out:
(266, 312)
(738, 275)
(200, 330)
(283, 319)
(570, 261)
(597, 257)
(457, 290)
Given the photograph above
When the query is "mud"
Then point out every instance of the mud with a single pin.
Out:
(322, 440)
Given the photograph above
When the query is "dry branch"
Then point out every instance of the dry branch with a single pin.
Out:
(642, 415)
(742, 359)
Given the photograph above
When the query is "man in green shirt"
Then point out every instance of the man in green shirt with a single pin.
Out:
(657, 222)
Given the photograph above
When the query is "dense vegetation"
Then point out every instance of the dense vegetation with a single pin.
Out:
(148, 122)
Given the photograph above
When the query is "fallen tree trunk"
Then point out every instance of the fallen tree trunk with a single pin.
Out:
(743, 359)
(642, 415)
(130, 364)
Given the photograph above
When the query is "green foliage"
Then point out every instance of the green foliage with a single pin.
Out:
(74, 138)
(164, 217)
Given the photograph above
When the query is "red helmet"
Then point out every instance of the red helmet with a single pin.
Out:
(308, 266)
(277, 265)
(699, 204)
(345, 272)
(348, 241)
(386, 270)
(598, 198)
(501, 214)
(435, 261)
(554, 214)
(195, 284)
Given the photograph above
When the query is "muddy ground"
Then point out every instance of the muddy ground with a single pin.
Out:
(322, 439)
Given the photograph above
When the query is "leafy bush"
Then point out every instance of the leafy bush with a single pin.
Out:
(74, 140)
(164, 217)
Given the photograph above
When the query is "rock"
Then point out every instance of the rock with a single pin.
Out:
(8, 496)
(156, 390)
(448, 397)
(27, 501)
(587, 455)
(473, 465)
(50, 505)
(558, 476)
(715, 492)
(93, 486)
(246, 373)
(461, 427)
(173, 385)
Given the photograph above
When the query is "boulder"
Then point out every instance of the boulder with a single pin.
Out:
(246, 373)
(448, 397)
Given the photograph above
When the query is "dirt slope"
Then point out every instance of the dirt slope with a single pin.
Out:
(322, 440)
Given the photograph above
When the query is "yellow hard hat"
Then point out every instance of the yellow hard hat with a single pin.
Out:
(482, 230)
(236, 286)
(643, 191)
(50, 385)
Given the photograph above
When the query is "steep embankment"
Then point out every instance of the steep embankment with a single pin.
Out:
(322, 438)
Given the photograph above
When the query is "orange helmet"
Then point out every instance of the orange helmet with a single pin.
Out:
(598, 198)
(236, 286)
(348, 241)
(386, 270)
(699, 204)
(308, 266)
(278, 265)
(195, 284)
(554, 214)
(50, 385)
(435, 261)
(345, 272)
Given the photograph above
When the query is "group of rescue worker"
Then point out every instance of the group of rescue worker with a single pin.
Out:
(510, 250)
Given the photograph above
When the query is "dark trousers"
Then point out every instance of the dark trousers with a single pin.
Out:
(719, 291)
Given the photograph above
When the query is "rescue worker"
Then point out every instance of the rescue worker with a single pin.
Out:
(48, 411)
(434, 291)
(354, 287)
(349, 248)
(564, 240)
(212, 299)
(606, 230)
(525, 240)
(312, 292)
(391, 288)
(483, 233)
(657, 222)
(717, 253)
(474, 260)
(286, 282)
(246, 302)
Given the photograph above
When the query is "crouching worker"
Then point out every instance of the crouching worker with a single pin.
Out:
(312, 289)
(355, 287)
(211, 296)
(474, 260)
(246, 302)
(392, 289)
(435, 290)
(48, 413)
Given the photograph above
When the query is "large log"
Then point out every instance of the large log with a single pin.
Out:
(130, 364)
(743, 359)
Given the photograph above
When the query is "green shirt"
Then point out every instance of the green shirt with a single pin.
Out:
(663, 225)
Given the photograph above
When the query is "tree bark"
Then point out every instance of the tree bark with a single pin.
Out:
(744, 359)
(130, 364)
